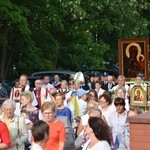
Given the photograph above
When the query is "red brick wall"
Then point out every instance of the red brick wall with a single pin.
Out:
(139, 136)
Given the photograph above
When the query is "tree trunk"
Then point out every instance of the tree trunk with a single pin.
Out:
(3, 51)
(57, 53)
(8, 64)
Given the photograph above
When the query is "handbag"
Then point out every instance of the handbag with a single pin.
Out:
(79, 140)
(27, 143)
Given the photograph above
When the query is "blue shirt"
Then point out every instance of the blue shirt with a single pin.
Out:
(64, 112)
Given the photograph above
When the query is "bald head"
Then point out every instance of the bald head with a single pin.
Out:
(38, 84)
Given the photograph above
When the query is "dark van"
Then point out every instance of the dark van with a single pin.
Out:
(64, 75)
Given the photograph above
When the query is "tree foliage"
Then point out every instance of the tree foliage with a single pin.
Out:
(66, 34)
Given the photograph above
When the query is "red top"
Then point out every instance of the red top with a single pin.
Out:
(4, 134)
(57, 134)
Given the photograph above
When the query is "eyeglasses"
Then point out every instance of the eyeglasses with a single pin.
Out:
(47, 113)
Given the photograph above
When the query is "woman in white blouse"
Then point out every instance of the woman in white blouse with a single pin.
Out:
(117, 122)
(105, 105)
(98, 131)
(16, 125)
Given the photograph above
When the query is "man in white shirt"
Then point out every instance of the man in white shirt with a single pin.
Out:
(40, 132)
(46, 83)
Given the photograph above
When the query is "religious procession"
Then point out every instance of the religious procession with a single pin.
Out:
(74, 75)
(68, 115)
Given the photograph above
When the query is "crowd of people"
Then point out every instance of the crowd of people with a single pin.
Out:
(67, 115)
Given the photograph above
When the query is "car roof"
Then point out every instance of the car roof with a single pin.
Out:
(53, 72)
(101, 72)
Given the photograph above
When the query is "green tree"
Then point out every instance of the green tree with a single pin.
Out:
(66, 34)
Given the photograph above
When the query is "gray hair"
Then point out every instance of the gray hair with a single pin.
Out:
(122, 77)
(96, 112)
(9, 102)
(121, 88)
(110, 77)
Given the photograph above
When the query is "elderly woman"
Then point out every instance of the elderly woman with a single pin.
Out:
(84, 119)
(57, 136)
(121, 92)
(16, 125)
(92, 110)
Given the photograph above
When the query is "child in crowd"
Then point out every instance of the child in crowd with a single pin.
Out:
(82, 101)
